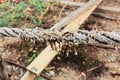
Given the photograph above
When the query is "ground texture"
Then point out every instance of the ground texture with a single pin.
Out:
(92, 63)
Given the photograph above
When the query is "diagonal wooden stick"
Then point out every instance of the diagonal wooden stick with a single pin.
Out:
(74, 21)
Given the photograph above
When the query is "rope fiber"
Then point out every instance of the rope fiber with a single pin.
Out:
(68, 38)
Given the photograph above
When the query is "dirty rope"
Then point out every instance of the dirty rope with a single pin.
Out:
(68, 38)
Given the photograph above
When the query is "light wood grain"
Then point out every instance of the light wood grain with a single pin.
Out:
(28, 76)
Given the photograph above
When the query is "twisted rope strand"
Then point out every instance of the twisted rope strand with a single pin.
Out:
(78, 37)
(93, 37)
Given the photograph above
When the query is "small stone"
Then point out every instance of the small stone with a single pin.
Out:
(67, 54)
(16, 78)
(52, 73)
(54, 17)
(58, 58)
(75, 53)
(66, 13)
(113, 59)
(48, 74)
(109, 60)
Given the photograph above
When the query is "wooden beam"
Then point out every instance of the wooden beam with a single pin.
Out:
(102, 8)
(85, 13)
(28, 76)
(47, 55)
(79, 12)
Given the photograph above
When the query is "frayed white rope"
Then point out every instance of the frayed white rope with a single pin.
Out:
(78, 37)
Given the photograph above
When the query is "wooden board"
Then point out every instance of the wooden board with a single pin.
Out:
(47, 55)
(28, 76)
(101, 8)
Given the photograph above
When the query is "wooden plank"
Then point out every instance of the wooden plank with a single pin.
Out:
(102, 8)
(47, 55)
(77, 22)
(28, 76)
(74, 15)
(109, 9)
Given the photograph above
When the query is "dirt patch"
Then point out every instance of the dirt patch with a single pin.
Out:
(92, 63)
